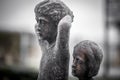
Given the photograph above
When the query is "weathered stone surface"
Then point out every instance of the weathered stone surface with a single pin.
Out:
(54, 20)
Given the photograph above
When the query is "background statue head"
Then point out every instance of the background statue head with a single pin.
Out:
(87, 58)
(48, 14)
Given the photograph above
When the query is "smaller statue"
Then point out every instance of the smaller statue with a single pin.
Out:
(87, 57)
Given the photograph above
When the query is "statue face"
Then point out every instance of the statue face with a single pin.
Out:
(46, 28)
(79, 64)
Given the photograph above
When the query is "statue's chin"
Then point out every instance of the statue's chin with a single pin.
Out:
(73, 73)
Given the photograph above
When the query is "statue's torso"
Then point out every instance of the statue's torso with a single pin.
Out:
(54, 65)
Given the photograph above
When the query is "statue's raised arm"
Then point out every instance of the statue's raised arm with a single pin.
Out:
(54, 20)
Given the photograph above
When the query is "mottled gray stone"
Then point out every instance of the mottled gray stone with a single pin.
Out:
(54, 20)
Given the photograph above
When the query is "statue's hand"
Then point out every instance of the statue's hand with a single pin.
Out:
(65, 22)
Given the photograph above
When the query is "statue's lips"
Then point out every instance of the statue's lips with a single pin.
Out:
(39, 33)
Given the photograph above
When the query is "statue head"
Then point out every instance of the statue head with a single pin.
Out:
(48, 14)
(87, 58)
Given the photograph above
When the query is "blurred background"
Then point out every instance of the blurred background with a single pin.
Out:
(20, 53)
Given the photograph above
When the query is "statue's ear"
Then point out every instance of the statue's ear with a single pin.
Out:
(91, 70)
(93, 67)
(94, 64)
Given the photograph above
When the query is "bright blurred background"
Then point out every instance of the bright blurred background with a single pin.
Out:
(20, 53)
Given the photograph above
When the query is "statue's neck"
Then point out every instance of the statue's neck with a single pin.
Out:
(85, 78)
(50, 41)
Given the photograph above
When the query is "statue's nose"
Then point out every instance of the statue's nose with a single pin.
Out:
(37, 27)
(74, 63)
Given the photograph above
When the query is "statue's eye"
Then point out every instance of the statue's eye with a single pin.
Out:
(42, 22)
(81, 62)
(77, 59)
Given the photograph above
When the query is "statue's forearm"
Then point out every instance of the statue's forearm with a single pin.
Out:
(62, 41)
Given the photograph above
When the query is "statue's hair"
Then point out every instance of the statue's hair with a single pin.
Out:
(54, 9)
(94, 56)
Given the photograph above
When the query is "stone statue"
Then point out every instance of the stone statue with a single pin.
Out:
(87, 57)
(54, 20)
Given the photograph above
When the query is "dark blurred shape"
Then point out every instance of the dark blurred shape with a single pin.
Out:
(9, 48)
(106, 71)
(112, 49)
(16, 73)
(15, 48)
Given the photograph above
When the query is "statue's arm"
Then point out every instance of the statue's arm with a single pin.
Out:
(62, 40)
